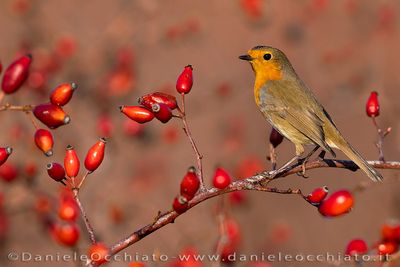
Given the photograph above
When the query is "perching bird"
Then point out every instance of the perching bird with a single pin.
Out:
(292, 109)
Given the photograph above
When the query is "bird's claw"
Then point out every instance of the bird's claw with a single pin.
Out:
(302, 173)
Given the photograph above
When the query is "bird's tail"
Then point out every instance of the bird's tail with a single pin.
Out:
(347, 149)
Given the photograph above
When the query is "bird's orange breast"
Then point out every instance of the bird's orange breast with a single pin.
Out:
(271, 72)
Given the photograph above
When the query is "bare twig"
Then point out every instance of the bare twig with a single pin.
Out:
(223, 236)
(89, 227)
(82, 180)
(32, 119)
(2, 94)
(381, 136)
(24, 108)
(272, 156)
(188, 133)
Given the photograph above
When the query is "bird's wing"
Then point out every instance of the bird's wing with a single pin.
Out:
(298, 111)
(309, 124)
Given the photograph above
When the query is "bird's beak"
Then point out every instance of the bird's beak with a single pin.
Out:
(246, 57)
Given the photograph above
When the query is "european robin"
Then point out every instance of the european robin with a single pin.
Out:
(292, 109)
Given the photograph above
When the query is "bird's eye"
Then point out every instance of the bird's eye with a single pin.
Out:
(267, 56)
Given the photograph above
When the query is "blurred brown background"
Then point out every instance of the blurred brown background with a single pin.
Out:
(119, 50)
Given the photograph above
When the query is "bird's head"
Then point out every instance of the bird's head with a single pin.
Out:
(268, 63)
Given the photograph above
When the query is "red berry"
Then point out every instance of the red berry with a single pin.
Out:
(30, 169)
(248, 167)
(188, 258)
(5, 152)
(51, 115)
(71, 162)
(43, 205)
(318, 195)
(275, 138)
(136, 264)
(16, 74)
(162, 112)
(372, 106)
(232, 240)
(65, 46)
(67, 234)
(105, 125)
(237, 197)
(337, 204)
(62, 94)
(221, 178)
(185, 80)
(95, 155)
(388, 247)
(56, 171)
(44, 141)
(157, 97)
(190, 184)
(99, 253)
(180, 204)
(356, 247)
(252, 8)
(390, 231)
(260, 264)
(132, 128)
(8, 172)
(137, 113)
(68, 210)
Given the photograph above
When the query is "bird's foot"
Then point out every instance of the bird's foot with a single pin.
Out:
(302, 173)
(303, 163)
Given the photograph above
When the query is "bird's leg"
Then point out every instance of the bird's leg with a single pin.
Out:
(321, 155)
(304, 161)
(274, 173)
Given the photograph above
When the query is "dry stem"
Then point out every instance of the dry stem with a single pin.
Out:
(255, 183)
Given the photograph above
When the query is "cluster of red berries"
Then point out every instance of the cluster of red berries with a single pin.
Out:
(156, 105)
(14, 76)
(338, 203)
(159, 105)
(190, 184)
(388, 243)
(94, 157)
(66, 231)
(53, 116)
(50, 114)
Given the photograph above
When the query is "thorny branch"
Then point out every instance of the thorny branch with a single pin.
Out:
(255, 183)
